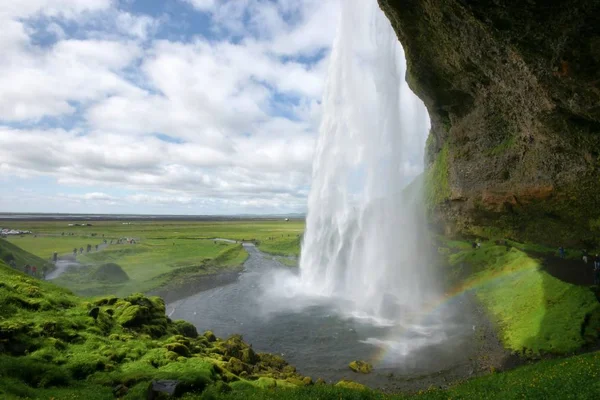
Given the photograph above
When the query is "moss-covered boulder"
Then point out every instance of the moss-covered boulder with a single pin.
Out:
(186, 329)
(210, 336)
(361, 366)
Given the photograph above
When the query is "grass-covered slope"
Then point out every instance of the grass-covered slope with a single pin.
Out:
(535, 313)
(21, 257)
(51, 346)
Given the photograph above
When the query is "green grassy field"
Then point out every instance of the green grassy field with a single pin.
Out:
(165, 251)
(535, 313)
(278, 237)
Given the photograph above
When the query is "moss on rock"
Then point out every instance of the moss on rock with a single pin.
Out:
(361, 366)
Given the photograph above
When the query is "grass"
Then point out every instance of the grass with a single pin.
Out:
(45, 246)
(165, 251)
(535, 313)
(21, 257)
(277, 237)
(152, 263)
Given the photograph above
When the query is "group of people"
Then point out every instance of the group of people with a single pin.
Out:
(32, 270)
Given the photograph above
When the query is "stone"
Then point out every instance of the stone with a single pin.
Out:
(170, 388)
(361, 366)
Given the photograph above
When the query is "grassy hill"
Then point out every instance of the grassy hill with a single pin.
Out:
(21, 257)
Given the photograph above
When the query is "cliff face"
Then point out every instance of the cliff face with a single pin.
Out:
(513, 92)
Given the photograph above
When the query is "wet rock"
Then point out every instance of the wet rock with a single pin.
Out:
(158, 389)
(307, 381)
(361, 366)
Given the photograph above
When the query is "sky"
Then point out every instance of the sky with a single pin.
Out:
(162, 106)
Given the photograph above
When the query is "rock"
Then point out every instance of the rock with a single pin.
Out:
(186, 329)
(249, 356)
(235, 365)
(210, 336)
(320, 381)
(361, 366)
(178, 348)
(170, 388)
(94, 312)
(106, 301)
(120, 390)
(512, 91)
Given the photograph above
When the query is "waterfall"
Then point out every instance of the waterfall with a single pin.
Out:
(364, 243)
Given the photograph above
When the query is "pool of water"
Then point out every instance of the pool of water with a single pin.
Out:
(315, 337)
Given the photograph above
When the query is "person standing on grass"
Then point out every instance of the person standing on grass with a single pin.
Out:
(27, 269)
(585, 256)
(561, 252)
(44, 271)
(34, 271)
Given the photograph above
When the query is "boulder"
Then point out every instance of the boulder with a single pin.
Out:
(361, 366)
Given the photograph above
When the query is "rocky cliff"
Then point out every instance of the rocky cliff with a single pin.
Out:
(513, 91)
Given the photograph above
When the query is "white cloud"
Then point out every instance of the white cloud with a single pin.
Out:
(207, 123)
(68, 9)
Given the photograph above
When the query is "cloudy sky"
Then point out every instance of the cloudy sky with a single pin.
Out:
(162, 106)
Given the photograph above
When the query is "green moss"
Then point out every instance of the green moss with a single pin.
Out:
(361, 366)
(535, 312)
(437, 186)
(350, 385)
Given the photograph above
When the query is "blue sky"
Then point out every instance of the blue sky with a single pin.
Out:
(172, 107)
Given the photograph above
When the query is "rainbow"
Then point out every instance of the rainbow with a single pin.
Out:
(430, 308)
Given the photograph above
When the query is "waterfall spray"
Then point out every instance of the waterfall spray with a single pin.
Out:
(364, 243)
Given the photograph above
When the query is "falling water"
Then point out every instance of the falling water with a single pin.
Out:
(364, 243)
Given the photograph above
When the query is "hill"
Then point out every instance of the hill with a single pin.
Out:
(21, 257)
